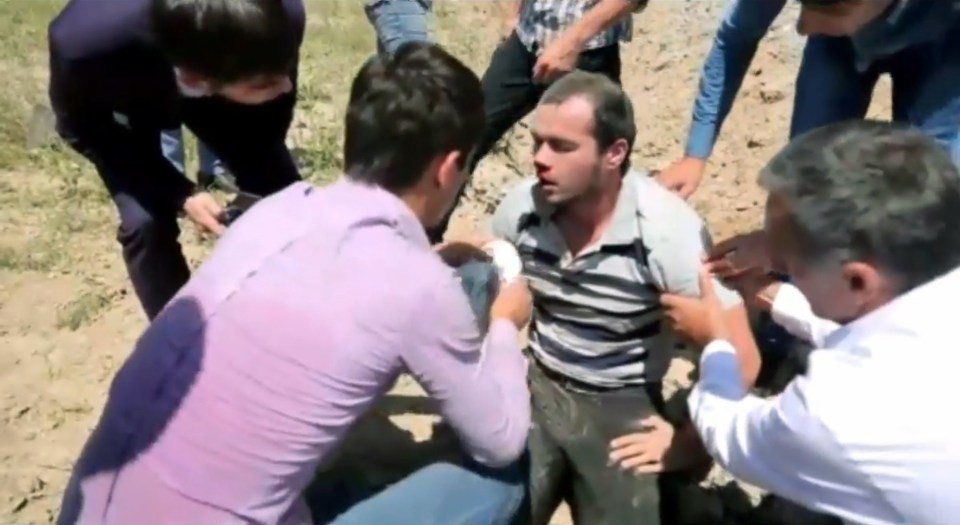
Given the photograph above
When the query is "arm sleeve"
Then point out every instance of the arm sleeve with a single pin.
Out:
(743, 26)
(791, 310)
(676, 256)
(777, 444)
(120, 153)
(480, 383)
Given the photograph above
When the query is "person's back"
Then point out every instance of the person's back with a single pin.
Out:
(309, 308)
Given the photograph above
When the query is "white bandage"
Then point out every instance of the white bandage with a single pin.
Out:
(505, 258)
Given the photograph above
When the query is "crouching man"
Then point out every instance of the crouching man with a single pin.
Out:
(306, 312)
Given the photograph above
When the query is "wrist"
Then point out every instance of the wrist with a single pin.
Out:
(765, 297)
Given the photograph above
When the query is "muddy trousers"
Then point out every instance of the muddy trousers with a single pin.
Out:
(569, 445)
(509, 93)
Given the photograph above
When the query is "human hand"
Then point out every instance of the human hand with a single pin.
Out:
(757, 287)
(659, 447)
(507, 26)
(458, 253)
(513, 303)
(558, 58)
(739, 254)
(204, 211)
(699, 320)
(684, 176)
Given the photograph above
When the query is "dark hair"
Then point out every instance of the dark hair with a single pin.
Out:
(406, 109)
(612, 110)
(871, 192)
(227, 40)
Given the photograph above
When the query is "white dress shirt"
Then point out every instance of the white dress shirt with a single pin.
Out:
(866, 435)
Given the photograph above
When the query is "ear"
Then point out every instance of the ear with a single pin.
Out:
(616, 154)
(449, 170)
(866, 283)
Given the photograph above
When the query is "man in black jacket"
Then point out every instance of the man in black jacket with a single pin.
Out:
(121, 71)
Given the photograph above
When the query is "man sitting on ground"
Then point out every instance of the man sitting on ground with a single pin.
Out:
(308, 309)
(600, 243)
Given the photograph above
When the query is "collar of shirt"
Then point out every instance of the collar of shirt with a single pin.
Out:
(623, 228)
(904, 314)
(393, 209)
(906, 23)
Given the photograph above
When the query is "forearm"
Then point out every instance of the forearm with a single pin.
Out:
(601, 16)
(733, 49)
(120, 155)
(492, 410)
(741, 337)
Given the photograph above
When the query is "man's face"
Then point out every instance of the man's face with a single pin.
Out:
(257, 90)
(840, 18)
(565, 152)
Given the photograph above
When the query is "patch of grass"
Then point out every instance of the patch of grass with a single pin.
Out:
(43, 255)
(86, 307)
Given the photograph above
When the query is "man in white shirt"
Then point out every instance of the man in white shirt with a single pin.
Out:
(866, 219)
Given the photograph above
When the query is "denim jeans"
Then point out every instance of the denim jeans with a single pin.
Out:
(171, 142)
(398, 21)
(444, 494)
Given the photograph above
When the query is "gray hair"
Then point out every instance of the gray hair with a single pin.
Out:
(612, 110)
(872, 192)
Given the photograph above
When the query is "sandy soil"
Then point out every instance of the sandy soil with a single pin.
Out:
(53, 378)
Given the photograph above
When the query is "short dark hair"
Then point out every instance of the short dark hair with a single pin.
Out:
(406, 109)
(872, 192)
(612, 110)
(227, 40)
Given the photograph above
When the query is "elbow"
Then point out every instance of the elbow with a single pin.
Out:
(505, 452)
(504, 447)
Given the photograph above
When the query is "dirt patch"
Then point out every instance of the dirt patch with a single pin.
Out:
(68, 319)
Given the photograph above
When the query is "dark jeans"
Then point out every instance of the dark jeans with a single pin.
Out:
(510, 93)
(569, 446)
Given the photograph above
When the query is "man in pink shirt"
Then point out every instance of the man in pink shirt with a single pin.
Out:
(311, 306)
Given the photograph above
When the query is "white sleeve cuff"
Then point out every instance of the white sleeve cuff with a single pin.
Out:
(789, 306)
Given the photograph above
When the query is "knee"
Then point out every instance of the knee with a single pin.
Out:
(503, 483)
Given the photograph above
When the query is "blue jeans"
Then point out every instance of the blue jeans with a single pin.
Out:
(398, 21)
(444, 494)
(926, 87)
(171, 143)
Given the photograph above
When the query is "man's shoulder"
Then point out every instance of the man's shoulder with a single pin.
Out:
(516, 203)
(660, 210)
(519, 198)
(85, 29)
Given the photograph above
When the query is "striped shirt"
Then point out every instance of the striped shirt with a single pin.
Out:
(597, 316)
(541, 21)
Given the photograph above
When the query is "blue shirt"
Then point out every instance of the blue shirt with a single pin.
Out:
(907, 23)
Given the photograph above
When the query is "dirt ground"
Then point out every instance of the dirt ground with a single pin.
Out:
(68, 317)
